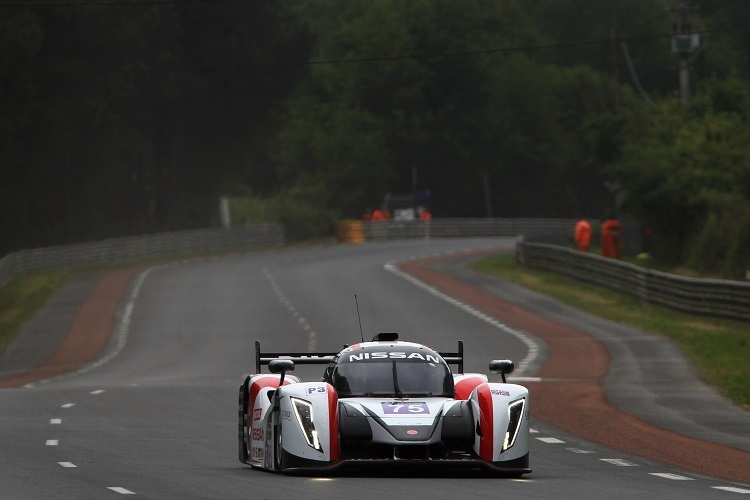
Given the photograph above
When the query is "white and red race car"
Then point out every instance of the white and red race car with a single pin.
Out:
(384, 401)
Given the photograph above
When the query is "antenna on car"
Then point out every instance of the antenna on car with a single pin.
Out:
(359, 318)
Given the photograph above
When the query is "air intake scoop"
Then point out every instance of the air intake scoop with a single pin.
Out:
(385, 337)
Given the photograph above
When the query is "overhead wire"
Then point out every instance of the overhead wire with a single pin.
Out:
(376, 59)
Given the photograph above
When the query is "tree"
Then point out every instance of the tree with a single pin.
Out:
(686, 174)
(127, 118)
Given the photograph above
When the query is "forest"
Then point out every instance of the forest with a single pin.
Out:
(128, 117)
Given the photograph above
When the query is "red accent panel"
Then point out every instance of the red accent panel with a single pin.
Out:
(271, 380)
(333, 423)
(486, 422)
(463, 388)
(257, 385)
(254, 389)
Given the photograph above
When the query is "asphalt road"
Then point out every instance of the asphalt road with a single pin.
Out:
(156, 416)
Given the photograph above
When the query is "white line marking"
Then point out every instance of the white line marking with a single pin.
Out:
(550, 440)
(619, 461)
(55, 421)
(67, 464)
(123, 329)
(531, 345)
(533, 431)
(98, 391)
(732, 489)
(120, 490)
(674, 477)
(121, 334)
(312, 337)
(68, 405)
(577, 450)
(52, 442)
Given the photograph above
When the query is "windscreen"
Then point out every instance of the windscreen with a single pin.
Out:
(393, 378)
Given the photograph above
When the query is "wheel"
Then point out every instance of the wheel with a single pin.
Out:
(243, 423)
(246, 438)
(278, 450)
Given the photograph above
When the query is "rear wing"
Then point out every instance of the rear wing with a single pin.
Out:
(455, 358)
(324, 358)
(299, 358)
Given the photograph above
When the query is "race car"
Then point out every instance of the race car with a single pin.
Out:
(384, 401)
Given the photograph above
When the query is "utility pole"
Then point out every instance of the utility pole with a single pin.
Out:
(613, 58)
(684, 69)
(684, 43)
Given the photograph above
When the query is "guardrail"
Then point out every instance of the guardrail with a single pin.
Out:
(138, 247)
(711, 297)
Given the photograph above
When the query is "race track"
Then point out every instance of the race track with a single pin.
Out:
(155, 416)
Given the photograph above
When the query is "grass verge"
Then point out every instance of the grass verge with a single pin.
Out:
(720, 348)
(22, 297)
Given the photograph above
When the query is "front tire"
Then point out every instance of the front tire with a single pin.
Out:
(243, 423)
(278, 451)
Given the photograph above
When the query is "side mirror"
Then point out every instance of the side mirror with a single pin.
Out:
(282, 366)
(502, 366)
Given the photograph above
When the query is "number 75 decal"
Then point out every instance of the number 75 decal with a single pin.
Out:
(405, 408)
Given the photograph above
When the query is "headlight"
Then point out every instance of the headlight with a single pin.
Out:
(304, 412)
(515, 413)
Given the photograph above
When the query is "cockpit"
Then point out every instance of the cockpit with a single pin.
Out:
(397, 370)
